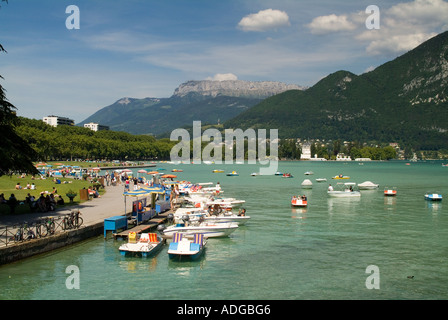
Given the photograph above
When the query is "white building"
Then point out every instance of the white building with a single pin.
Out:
(57, 121)
(95, 126)
(343, 157)
(306, 151)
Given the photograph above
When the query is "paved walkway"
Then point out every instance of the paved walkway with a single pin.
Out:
(112, 203)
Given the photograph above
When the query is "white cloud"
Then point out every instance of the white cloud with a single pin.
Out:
(264, 20)
(330, 23)
(223, 77)
(397, 43)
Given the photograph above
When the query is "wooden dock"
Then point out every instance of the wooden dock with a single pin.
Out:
(144, 227)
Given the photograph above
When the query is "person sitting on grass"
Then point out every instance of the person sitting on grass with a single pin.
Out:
(12, 202)
(60, 201)
(41, 203)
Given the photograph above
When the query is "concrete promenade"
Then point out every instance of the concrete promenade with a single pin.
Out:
(93, 211)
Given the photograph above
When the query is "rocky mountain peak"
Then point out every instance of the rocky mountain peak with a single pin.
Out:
(234, 88)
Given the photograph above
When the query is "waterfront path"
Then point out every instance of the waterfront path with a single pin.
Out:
(110, 204)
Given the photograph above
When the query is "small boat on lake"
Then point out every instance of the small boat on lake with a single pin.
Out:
(182, 247)
(433, 196)
(321, 179)
(340, 176)
(344, 190)
(287, 175)
(233, 173)
(307, 184)
(390, 192)
(299, 201)
(309, 173)
(147, 245)
(218, 171)
(368, 185)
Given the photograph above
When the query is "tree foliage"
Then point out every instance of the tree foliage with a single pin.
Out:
(71, 142)
(15, 153)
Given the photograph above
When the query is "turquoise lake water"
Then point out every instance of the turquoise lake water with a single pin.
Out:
(318, 252)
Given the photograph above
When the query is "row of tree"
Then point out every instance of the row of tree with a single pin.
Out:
(72, 142)
(354, 150)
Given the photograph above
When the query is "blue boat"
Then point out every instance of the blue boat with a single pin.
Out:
(181, 247)
(433, 197)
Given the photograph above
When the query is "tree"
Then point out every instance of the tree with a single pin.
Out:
(15, 153)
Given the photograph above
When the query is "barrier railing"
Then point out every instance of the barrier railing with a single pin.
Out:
(45, 227)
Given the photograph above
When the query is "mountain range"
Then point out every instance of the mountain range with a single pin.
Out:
(404, 101)
(208, 101)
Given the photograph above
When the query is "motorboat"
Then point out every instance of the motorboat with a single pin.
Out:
(227, 217)
(433, 196)
(181, 247)
(218, 171)
(147, 245)
(233, 173)
(321, 179)
(344, 190)
(278, 173)
(287, 175)
(390, 192)
(209, 229)
(299, 201)
(207, 201)
(368, 185)
(307, 184)
(177, 170)
(309, 173)
(254, 174)
(340, 176)
(214, 215)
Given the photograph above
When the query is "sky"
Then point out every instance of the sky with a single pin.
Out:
(146, 48)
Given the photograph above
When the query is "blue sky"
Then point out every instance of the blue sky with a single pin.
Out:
(141, 48)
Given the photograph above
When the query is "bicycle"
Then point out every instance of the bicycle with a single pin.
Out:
(73, 220)
(23, 233)
(45, 227)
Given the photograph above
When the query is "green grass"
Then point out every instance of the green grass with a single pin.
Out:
(7, 187)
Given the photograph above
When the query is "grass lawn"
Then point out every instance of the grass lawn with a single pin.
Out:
(8, 184)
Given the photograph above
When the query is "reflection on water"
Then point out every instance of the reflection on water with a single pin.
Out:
(343, 205)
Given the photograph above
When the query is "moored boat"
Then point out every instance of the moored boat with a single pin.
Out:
(209, 230)
(368, 185)
(307, 184)
(233, 173)
(147, 245)
(287, 175)
(181, 247)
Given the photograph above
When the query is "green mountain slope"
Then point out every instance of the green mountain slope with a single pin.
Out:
(404, 100)
(157, 116)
